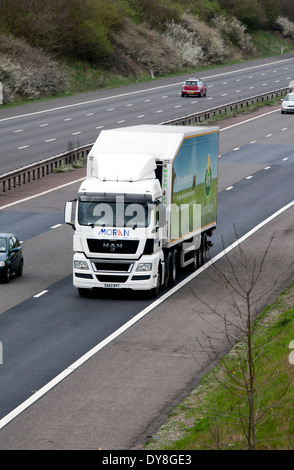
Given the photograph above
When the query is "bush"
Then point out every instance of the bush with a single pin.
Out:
(72, 28)
(184, 42)
(210, 39)
(156, 12)
(286, 27)
(27, 72)
(141, 49)
(233, 32)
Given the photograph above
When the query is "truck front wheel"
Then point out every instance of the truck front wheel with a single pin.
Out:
(155, 291)
(203, 249)
(84, 292)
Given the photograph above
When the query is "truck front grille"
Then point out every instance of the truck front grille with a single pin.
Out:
(112, 266)
(128, 247)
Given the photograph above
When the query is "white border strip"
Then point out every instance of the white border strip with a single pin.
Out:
(18, 410)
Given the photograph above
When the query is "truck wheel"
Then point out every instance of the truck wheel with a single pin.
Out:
(168, 263)
(196, 261)
(203, 250)
(84, 292)
(174, 268)
(155, 291)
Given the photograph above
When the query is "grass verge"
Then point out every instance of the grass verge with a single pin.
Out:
(209, 417)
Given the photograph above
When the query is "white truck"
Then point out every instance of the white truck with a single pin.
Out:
(146, 208)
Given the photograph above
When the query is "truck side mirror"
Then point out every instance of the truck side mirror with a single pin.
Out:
(162, 215)
(68, 211)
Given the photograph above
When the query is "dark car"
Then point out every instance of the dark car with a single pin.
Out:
(11, 259)
(194, 87)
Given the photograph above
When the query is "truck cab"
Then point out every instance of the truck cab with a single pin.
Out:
(146, 207)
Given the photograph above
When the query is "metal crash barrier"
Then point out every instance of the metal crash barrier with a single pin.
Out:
(40, 169)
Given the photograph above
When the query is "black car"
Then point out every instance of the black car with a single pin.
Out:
(11, 259)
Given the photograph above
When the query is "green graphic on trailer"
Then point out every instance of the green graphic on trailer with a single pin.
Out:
(208, 178)
(195, 177)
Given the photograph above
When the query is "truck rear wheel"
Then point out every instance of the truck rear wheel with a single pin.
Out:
(174, 268)
(168, 263)
(203, 249)
(196, 261)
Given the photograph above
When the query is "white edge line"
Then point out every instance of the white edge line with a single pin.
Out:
(248, 120)
(41, 194)
(40, 294)
(19, 409)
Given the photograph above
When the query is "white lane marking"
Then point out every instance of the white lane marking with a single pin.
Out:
(55, 226)
(23, 147)
(140, 91)
(76, 133)
(67, 119)
(248, 177)
(267, 168)
(50, 140)
(99, 127)
(18, 130)
(40, 294)
(43, 125)
(229, 188)
(59, 378)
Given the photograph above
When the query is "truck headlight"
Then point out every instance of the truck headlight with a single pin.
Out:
(81, 265)
(144, 267)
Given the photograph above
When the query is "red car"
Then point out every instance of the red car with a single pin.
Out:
(194, 86)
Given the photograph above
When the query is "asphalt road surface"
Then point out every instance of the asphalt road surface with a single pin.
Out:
(39, 130)
(119, 392)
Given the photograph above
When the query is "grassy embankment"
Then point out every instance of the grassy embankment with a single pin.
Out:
(209, 417)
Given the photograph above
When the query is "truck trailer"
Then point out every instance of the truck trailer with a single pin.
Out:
(147, 207)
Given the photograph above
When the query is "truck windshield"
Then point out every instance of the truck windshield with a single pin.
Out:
(113, 214)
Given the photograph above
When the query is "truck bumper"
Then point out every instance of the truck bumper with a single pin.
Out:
(116, 274)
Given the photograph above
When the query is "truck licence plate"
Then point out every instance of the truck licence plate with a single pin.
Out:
(111, 285)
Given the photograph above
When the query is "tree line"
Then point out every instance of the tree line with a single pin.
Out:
(84, 29)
